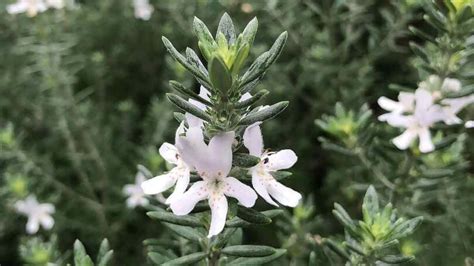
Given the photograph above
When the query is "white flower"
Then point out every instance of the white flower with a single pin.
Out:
(57, 4)
(406, 103)
(452, 106)
(37, 213)
(469, 124)
(143, 9)
(194, 121)
(136, 196)
(31, 7)
(262, 179)
(178, 176)
(418, 123)
(213, 163)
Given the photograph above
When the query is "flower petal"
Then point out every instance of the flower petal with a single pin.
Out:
(47, 222)
(159, 183)
(426, 144)
(388, 104)
(283, 159)
(47, 208)
(169, 152)
(451, 85)
(407, 100)
(181, 185)
(424, 99)
(219, 160)
(284, 195)
(259, 183)
(240, 191)
(192, 147)
(32, 226)
(193, 121)
(245, 96)
(253, 139)
(405, 139)
(219, 207)
(184, 204)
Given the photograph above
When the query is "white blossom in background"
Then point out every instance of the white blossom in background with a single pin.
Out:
(406, 103)
(417, 124)
(136, 196)
(178, 176)
(39, 214)
(30, 7)
(57, 4)
(213, 163)
(469, 124)
(143, 9)
(262, 180)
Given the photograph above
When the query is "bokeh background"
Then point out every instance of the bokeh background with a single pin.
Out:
(82, 95)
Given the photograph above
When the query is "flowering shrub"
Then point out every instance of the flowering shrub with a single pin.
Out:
(117, 148)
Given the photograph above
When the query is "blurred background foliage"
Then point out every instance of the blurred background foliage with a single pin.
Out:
(82, 102)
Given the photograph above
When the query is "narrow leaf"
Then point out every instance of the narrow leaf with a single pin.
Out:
(370, 206)
(264, 114)
(186, 232)
(248, 251)
(255, 98)
(80, 256)
(187, 260)
(188, 92)
(252, 216)
(220, 76)
(188, 107)
(226, 26)
(258, 261)
(185, 220)
(248, 35)
(245, 160)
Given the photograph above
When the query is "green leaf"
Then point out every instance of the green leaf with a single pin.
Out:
(418, 50)
(185, 220)
(370, 206)
(464, 15)
(186, 232)
(188, 107)
(434, 23)
(245, 160)
(80, 256)
(421, 34)
(194, 60)
(206, 41)
(180, 117)
(253, 216)
(406, 228)
(226, 26)
(336, 248)
(188, 92)
(255, 98)
(240, 57)
(264, 114)
(396, 259)
(280, 175)
(248, 251)
(219, 74)
(187, 260)
(105, 254)
(258, 261)
(204, 80)
(248, 35)
(222, 238)
(263, 62)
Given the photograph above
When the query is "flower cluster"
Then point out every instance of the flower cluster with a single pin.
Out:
(217, 122)
(419, 111)
(33, 7)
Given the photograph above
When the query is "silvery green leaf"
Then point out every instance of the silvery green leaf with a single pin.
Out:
(248, 251)
(200, 76)
(263, 62)
(142, 169)
(80, 256)
(248, 35)
(280, 175)
(105, 259)
(252, 216)
(264, 114)
(157, 258)
(255, 98)
(336, 248)
(186, 232)
(240, 57)
(188, 92)
(258, 261)
(105, 254)
(194, 60)
(188, 107)
(220, 75)
(185, 220)
(187, 260)
(206, 41)
(406, 228)
(245, 160)
(226, 26)
(396, 259)
(222, 238)
(370, 206)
